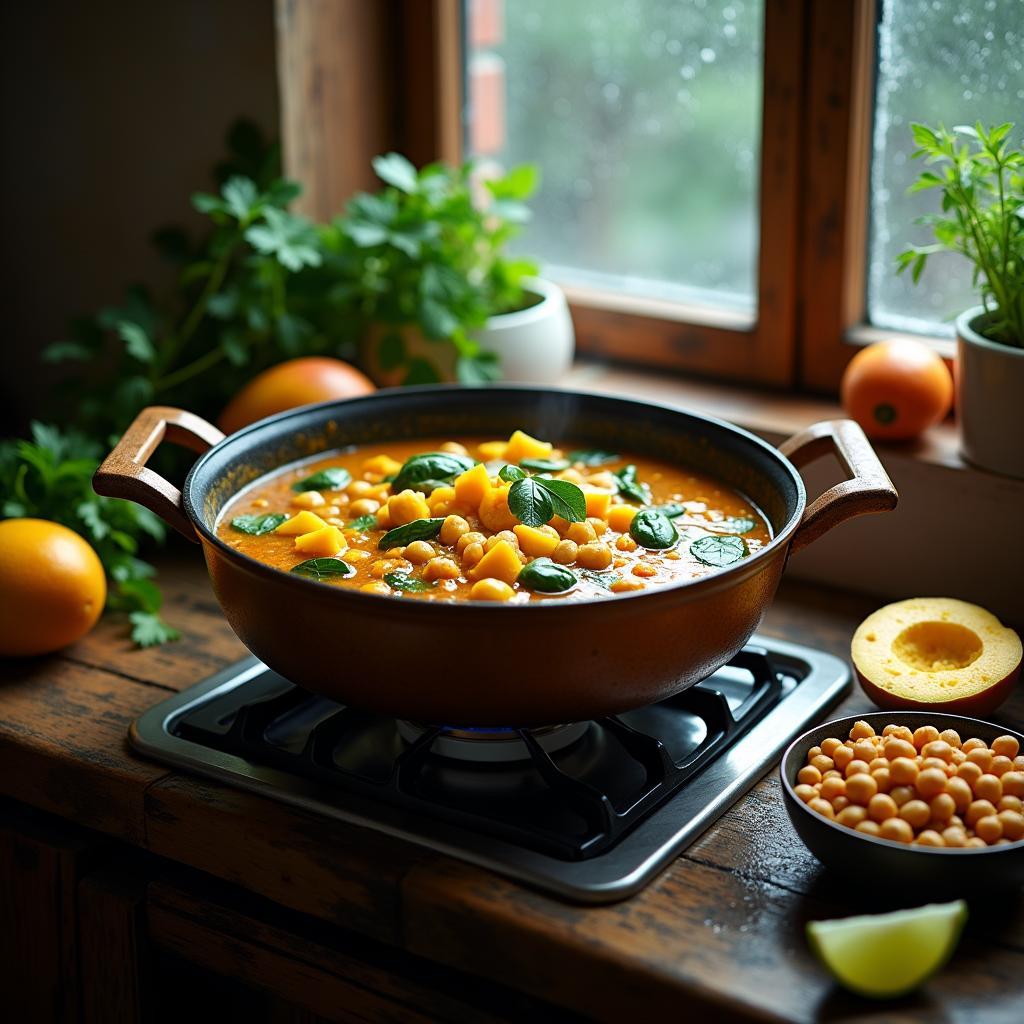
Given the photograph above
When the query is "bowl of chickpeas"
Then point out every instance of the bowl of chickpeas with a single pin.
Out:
(911, 799)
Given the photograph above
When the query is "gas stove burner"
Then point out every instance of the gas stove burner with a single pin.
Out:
(590, 810)
(493, 745)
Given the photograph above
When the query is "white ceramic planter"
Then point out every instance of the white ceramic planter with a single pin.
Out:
(535, 345)
(989, 399)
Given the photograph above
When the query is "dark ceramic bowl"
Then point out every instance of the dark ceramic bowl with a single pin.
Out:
(881, 861)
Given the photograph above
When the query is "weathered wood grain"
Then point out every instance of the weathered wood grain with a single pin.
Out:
(64, 747)
(115, 961)
(39, 952)
(336, 872)
(335, 975)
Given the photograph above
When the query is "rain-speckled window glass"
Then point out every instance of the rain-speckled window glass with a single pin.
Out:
(954, 61)
(644, 117)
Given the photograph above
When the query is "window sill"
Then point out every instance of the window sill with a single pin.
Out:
(893, 555)
(769, 414)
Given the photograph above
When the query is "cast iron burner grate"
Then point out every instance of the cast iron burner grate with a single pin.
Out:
(590, 810)
(571, 803)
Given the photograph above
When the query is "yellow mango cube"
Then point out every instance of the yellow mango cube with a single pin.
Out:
(440, 497)
(491, 450)
(382, 464)
(620, 516)
(500, 563)
(597, 502)
(304, 522)
(407, 506)
(522, 446)
(321, 543)
(494, 510)
(535, 542)
(473, 486)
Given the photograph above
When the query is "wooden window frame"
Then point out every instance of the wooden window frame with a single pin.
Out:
(395, 79)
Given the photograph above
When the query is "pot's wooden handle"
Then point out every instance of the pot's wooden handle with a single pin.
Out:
(123, 473)
(869, 488)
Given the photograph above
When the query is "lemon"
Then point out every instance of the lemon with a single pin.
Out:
(885, 955)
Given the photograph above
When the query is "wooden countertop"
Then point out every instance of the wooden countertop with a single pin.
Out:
(720, 933)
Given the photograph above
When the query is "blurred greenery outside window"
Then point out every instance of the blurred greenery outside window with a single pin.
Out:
(645, 118)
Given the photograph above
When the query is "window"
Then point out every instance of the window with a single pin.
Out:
(679, 142)
(936, 62)
(645, 117)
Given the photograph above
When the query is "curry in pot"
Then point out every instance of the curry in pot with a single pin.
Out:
(519, 520)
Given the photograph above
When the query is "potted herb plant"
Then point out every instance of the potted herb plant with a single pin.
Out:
(424, 261)
(981, 178)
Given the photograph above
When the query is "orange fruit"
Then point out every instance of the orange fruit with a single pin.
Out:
(52, 587)
(897, 389)
(287, 385)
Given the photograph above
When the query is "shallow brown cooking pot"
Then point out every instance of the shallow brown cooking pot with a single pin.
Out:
(479, 663)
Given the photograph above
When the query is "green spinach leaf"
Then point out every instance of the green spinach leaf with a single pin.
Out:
(630, 487)
(603, 578)
(653, 529)
(324, 569)
(410, 584)
(672, 509)
(592, 457)
(718, 550)
(510, 474)
(545, 465)
(436, 467)
(546, 577)
(256, 526)
(333, 479)
(418, 529)
(367, 522)
(735, 524)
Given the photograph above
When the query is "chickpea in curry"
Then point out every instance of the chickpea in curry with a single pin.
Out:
(518, 520)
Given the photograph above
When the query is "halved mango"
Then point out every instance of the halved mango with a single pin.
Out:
(500, 563)
(321, 543)
(522, 446)
(936, 652)
(304, 522)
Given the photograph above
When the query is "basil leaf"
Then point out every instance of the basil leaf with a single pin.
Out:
(735, 524)
(545, 465)
(567, 499)
(592, 457)
(653, 529)
(630, 487)
(437, 467)
(719, 550)
(418, 529)
(334, 479)
(672, 509)
(256, 526)
(402, 581)
(324, 569)
(510, 474)
(546, 577)
(367, 522)
(529, 502)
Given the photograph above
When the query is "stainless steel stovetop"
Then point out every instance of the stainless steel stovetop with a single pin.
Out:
(590, 812)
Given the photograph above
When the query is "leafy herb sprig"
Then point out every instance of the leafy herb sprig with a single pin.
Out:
(50, 477)
(981, 177)
(429, 254)
(535, 500)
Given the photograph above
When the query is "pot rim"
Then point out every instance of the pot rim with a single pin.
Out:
(966, 333)
(549, 293)
(710, 583)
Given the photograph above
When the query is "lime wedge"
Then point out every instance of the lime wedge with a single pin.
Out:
(885, 955)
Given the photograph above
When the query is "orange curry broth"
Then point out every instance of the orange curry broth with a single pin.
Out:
(630, 567)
